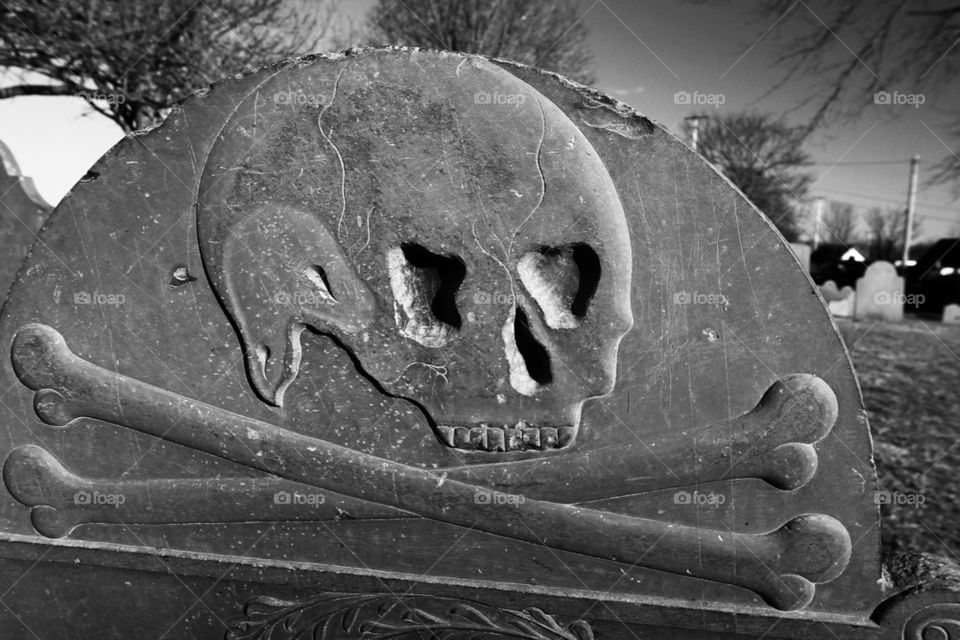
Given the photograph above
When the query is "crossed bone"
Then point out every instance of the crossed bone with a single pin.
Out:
(772, 442)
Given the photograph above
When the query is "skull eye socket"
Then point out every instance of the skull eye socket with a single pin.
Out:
(424, 286)
(442, 276)
(562, 280)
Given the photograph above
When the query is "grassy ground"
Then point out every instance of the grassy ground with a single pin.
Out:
(910, 376)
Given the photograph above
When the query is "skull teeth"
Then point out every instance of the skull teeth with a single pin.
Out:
(519, 437)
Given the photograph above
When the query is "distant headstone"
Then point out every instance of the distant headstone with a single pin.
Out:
(840, 302)
(844, 308)
(880, 294)
(802, 251)
(830, 292)
(22, 211)
(414, 344)
(951, 314)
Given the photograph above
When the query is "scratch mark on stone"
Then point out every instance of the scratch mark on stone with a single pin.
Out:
(493, 257)
(743, 254)
(543, 182)
(439, 369)
(193, 158)
(367, 243)
(343, 170)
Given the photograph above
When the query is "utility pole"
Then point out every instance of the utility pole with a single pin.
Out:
(694, 130)
(818, 205)
(911, 206)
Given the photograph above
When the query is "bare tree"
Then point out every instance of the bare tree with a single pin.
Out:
(763, 156)
(857, 48)
(133, 61)
(549, 34)
(840, 221)
(885, 233)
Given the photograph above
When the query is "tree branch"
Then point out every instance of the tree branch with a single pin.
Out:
(36, 90)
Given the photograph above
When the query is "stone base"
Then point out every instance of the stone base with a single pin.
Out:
(125, 592)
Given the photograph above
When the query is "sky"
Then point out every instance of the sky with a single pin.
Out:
(645, 51)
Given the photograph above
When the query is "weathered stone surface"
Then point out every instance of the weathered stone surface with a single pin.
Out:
(880, 294)
(927, 600)
(951, 314)
(418, 323)
(22, 211)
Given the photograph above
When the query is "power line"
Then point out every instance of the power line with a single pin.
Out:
(868, 196)
(857, 163)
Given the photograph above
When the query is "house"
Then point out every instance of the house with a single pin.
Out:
(838, 262)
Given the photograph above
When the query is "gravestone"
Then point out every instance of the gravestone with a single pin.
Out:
(22, 211)
(880, 294)
(951, 314)
(844, 307)
(802, 251)
(840, 302)
(407, 344)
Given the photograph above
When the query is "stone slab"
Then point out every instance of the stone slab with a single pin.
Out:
(951, 314)
(439, 322)
(880, 294)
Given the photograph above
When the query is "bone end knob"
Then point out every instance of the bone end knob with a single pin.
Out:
(790, 466)
(807, 403)
(35, 354)
(35, 478)
(811, 549)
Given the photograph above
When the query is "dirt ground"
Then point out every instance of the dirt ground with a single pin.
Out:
(910, 376)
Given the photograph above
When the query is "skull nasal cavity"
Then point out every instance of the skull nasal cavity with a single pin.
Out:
(588, 264)
(535, 355)
(447, 273)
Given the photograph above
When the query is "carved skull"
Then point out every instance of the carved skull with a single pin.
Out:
(445, 223)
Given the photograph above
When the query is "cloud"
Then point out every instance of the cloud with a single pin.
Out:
(620, 91)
